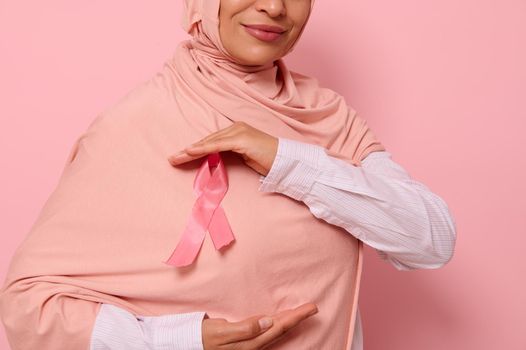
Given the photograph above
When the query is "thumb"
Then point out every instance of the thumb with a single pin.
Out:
(249, 328)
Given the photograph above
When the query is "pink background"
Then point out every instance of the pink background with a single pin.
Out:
(442, 83)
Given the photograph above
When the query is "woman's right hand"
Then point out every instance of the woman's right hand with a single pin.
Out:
(247, 334)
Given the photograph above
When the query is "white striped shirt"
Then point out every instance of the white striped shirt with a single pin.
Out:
(379, 203)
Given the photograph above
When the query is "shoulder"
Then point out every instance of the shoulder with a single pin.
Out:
(132, 105)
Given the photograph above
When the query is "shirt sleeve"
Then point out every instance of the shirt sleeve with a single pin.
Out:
(378, 202)
(118, 329)
(357, 339)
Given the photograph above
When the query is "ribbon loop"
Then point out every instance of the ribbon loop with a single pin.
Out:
(210, 187)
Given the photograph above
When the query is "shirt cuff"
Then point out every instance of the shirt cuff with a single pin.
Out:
(294, 169)
(117, 328)
(176, 331)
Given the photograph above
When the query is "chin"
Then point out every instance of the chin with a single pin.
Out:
(255, 63)
(256, 58)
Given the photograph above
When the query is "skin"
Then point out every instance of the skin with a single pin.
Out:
(247, 334)
(257, 148)
(291, 15)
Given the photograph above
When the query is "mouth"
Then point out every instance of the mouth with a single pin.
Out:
(266, 28)
(264, 32)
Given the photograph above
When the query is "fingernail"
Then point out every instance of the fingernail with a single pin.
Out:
(265, 323)
(313, 312)
(177, 155)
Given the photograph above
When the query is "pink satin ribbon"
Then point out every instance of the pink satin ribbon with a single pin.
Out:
(210, 186)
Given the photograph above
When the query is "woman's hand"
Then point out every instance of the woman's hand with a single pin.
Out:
(257, 148)
(218, 333)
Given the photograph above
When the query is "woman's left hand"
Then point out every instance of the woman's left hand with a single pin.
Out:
(257, 148)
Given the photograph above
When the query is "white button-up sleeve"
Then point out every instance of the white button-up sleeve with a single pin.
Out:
(379, 203)
(118, 329)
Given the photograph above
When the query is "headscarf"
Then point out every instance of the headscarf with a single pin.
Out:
(119, 208)
(267, 94)
(200, 19)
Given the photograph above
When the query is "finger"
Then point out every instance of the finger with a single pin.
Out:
(217, 145)
(283, 322)
(212, 136)
(290, 318)
(195, 150)
(191, 153)
(249, 328)
(181, 158)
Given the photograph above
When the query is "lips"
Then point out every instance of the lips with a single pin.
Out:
(264, 32)
(266, 28)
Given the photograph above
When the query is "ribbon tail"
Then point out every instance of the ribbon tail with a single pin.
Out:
(220, 230)
(189, 245)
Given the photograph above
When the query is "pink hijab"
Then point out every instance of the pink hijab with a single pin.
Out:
(272, 93)
(119, 208)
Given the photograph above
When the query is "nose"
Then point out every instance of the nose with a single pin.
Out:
(273, 8)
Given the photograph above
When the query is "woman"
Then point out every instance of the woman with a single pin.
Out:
(91, 274)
